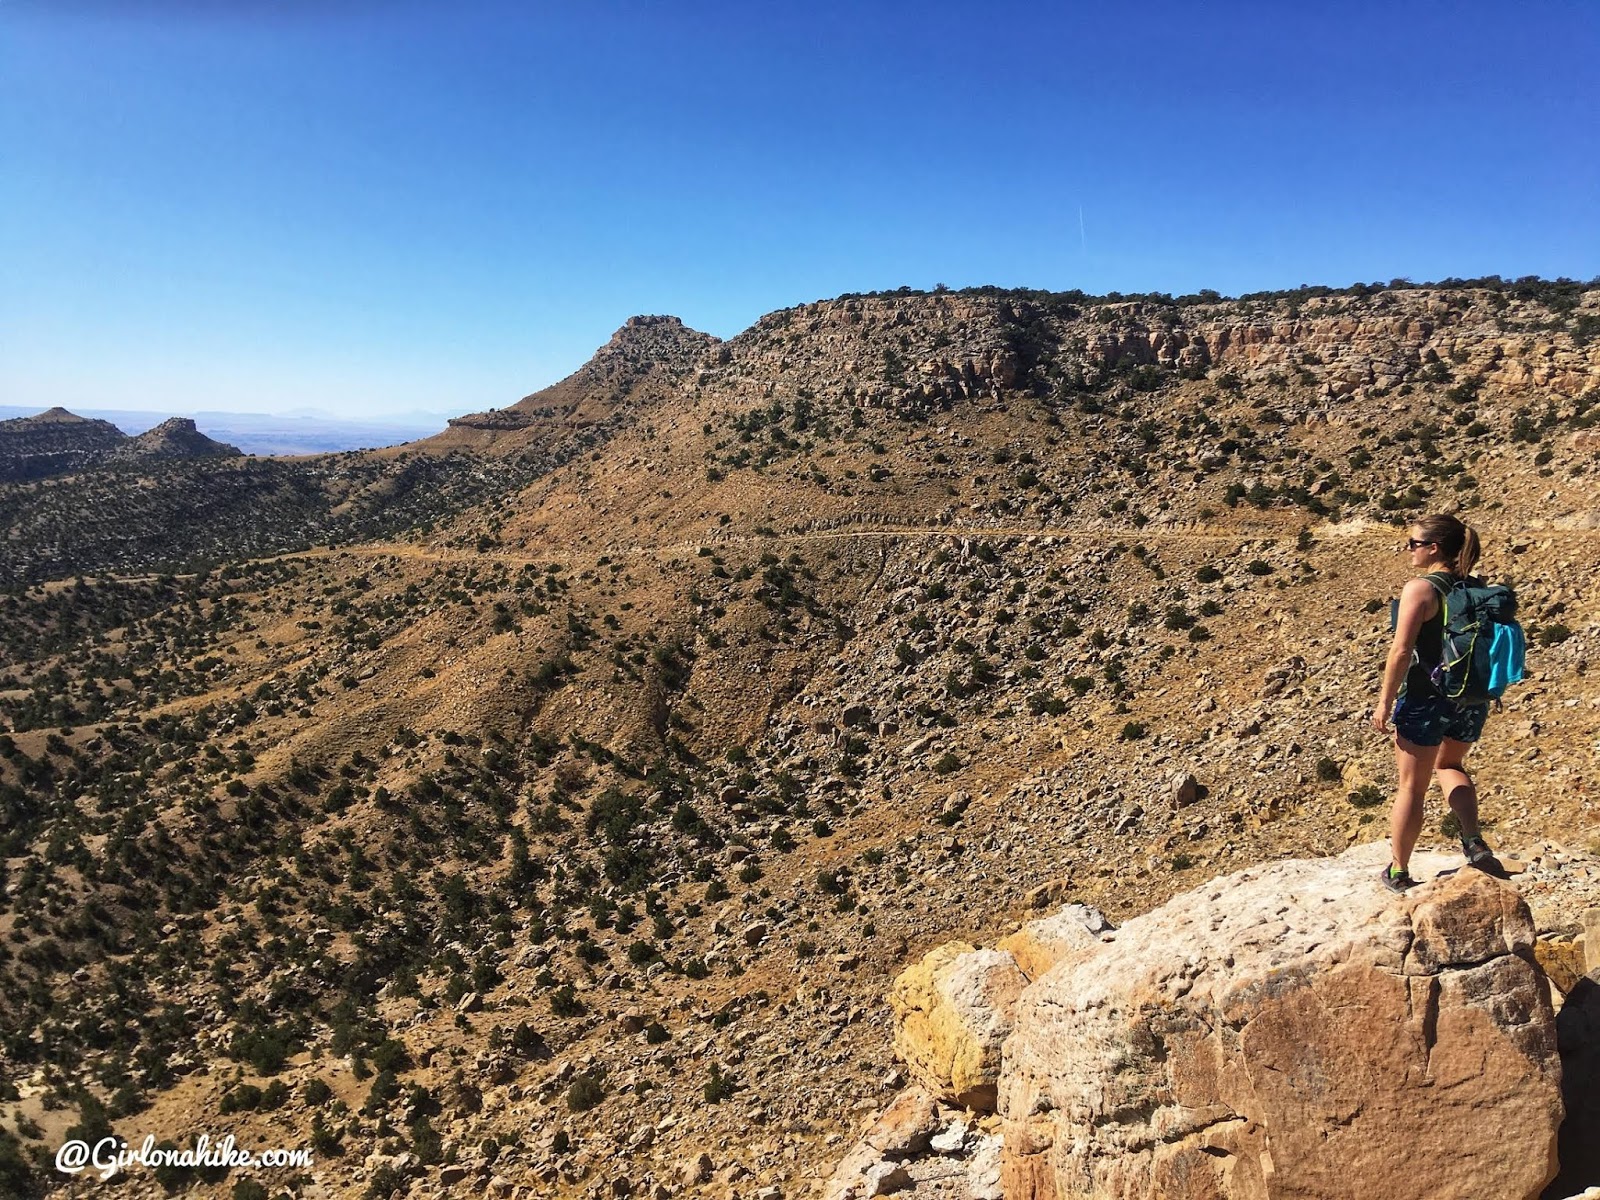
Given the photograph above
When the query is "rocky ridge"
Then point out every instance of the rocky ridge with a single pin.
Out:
(57, 442)
(646, 355)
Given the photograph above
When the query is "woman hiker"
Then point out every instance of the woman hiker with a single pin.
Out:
(1430, 734)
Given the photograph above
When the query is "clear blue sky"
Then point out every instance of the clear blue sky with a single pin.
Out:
(358, 206)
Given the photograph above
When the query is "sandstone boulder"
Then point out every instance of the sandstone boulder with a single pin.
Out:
(952, 1011)
(1040, 944)
(1291, 1031)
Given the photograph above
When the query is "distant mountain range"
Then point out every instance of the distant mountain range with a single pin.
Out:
(263, 433)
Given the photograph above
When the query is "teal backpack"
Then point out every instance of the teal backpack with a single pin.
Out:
(1483, 646)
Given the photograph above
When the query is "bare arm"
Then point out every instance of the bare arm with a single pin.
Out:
(1418, 602)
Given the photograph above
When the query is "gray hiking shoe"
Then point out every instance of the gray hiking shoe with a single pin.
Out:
(1480, 857)
(1396, 881)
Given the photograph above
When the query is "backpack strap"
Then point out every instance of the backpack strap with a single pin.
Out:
(1442, 582)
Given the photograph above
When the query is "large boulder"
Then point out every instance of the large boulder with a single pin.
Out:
(1291, 1031)
(952, 1012)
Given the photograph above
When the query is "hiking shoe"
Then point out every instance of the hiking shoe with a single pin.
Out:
(1396, 881)
(1481, 857)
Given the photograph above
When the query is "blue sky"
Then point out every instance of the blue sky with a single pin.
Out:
(362, 207)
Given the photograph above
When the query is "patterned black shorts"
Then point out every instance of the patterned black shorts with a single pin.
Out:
(1427, 720)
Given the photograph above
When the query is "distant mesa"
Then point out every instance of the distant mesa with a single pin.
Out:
(59, 416)
(175, 438)
(58, 442)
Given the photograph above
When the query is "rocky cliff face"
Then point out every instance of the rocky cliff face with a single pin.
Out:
(906, 351)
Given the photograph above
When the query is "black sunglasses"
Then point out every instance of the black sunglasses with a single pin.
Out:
(1413, 544)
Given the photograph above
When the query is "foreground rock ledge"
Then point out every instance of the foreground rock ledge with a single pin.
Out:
(1291, 1031)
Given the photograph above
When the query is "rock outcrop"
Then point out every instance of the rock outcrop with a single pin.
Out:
(1292, 1030)
(640, 364)
(952, 1013)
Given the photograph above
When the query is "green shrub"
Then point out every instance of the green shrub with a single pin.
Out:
(385, 1087)
(243, 1098)
(587, 1090)
(718, 1087)
(1368, 795)
(386, 1180)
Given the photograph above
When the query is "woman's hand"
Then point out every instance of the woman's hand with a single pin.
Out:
(1380, 720)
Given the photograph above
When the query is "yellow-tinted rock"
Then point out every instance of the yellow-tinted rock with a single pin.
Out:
(952, 1011)
(1561, 961)
(1041, 944)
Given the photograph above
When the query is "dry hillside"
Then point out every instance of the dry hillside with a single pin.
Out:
(554, 823)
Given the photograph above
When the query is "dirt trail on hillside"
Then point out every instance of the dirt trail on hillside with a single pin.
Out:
(415, 551)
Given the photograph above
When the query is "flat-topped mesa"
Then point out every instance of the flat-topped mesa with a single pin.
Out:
(919, 351)
(176, 437)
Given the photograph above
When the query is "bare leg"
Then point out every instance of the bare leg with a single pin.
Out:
(1413, 764)
(1459, 790)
